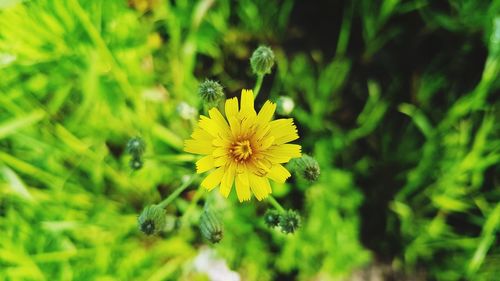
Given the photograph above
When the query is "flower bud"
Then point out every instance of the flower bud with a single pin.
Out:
(262, 60)
(289, 221)
(186, 111)
(211, 92)
(211, 226)
(284, 105)
(136, 147)
(152, 219)
(272, 218)
(307, 167)
(135, 163)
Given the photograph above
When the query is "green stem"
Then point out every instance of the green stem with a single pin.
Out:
(276, 204)
(258, 84)
(172, 158)
(345, 31)
(192, 206)
(177, 192)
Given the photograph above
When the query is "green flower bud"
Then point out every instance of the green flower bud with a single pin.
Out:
(306, 166)
(262, 60)
(289, 221)
(272, 218)
(211, 92)
(211, 226)
(136, 147)
(135, 163)
(284, 105)
(152, 219)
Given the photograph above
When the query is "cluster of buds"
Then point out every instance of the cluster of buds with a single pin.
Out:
(136, 147)
(153, 218)
(288, 221)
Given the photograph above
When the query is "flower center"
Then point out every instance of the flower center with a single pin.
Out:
(241, 150)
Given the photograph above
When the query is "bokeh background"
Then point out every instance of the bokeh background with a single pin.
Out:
(397, 100)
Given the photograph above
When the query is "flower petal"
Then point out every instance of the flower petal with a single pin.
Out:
(260, 186)
(221, 160)
(200, 134)
(247, 107)
(262, 167)
(227, 181)
(235, 125)
(204, 164)
(220, 151)
(282, 153)
(213, 179)
(266, 113)
(266, 143)
(243, 186)
(262, 131)
(231, 108)
(278, 173)
(283, 130)
(211, 126)
(219, 120)
(221, 142)
(287, 149)
(248, 123)
(198, 147)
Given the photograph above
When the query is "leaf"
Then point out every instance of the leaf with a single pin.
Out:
(418, 118)
(16, 124)
(488, 237)
(15, 183)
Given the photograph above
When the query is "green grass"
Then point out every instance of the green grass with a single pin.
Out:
(397, 101)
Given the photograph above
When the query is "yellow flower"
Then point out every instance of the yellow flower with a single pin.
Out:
(245, 148)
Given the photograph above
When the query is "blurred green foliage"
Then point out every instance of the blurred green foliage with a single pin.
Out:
(397, 100)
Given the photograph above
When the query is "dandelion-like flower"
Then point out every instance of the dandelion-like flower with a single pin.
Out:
(244, 148)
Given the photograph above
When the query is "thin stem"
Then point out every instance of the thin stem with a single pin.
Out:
(172, 158)
(276, 204)
(221, 105)
(345, 31)
(176, 192)
(192, 206)
(258, 84)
